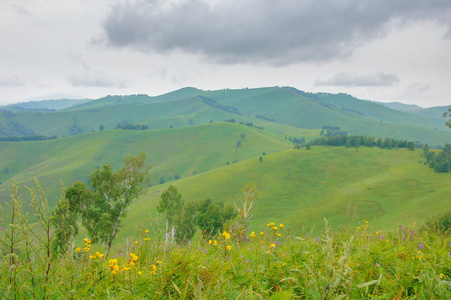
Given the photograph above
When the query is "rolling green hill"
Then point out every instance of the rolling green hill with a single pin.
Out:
(263, 107)
(170, 152)
(300, 187)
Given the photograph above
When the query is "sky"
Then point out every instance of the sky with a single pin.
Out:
(381, 50)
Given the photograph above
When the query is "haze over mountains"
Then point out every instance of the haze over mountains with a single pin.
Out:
(264, 107)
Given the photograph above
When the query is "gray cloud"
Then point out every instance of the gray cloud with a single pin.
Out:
(262, 31)
(94, 79)
(11, 80)
(348, 79)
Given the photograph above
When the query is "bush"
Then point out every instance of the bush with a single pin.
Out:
(440, 223)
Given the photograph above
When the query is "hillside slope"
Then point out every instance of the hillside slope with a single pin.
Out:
(301, 187)
(171, 153)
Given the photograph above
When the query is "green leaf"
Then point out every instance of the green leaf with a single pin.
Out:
(362, 285)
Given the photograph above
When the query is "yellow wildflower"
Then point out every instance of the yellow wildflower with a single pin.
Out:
(229, 247)
(147, 239)
(153, 269)
(442, 275)
(140, 273)
(113, 266)
(133, 258)
(252, 234)
(136, 242)
(146, 231)
(281, 226)
(274, 228)
(261, 233)
(210, 241)
(78, 249)
(278, 234)
(273, 245)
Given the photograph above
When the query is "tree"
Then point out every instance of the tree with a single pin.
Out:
(238, 143)
(446, 114)
(103, 207)
(65, 223)
(210, 215)
(184, 223)
(171, 204)
(308, 146)
(101, 127)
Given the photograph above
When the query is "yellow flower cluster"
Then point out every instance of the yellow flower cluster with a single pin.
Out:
(133, 259)
(214, 242)
(252, 235)
(153, 269)
(112, 264)
(364, 227)
(96, 255)
(226, 235)
(87, 245)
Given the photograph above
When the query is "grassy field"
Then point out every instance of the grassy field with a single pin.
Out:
(182, 151)
(300, 187)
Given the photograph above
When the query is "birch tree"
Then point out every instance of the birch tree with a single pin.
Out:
(103, 206)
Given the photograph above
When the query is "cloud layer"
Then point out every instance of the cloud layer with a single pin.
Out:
(351, 79)
(262, 31)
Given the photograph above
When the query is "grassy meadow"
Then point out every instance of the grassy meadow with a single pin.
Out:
(300, 187)
(192, 150)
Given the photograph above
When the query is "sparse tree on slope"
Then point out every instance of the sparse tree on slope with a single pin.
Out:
(103, 207)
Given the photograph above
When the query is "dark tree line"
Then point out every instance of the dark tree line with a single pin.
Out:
(439, 161)
(359, 140)
(26, 138)
(131, 127)
(250, 124)
(11, 126)
(216, 104)
(258, 116)
(328, 131)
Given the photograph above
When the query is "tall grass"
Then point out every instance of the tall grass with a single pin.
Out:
(337, 263)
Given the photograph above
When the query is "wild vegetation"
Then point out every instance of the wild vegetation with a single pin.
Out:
(345, 262)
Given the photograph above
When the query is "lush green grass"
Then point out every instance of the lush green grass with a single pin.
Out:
(338, 263)
(184, 151)
(300, 187)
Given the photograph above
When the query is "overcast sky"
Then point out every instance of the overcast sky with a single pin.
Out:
(380, 50)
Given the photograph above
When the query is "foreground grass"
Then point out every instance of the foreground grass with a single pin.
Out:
(338, 263)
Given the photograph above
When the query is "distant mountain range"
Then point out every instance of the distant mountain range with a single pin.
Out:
(266, 108)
